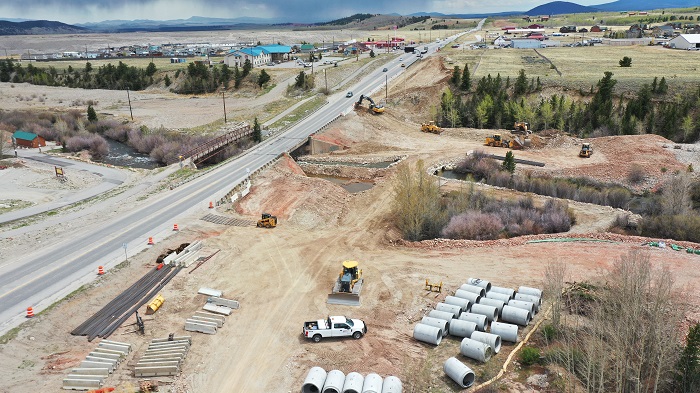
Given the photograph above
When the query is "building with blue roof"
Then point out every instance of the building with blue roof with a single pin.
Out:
(259, 55)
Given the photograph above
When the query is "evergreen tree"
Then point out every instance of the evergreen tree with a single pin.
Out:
(247, 66)
(466, 83)
(602, 103)
(150, 70)
(663, 87)
(455, 76)
(300, 80)
(257, 131)
(167, 81)
(655, 84)
(237, 77)
(626, 62)
(371, 53)
(263, 78)
(520, 86)
(91, 114)
(509, 162)
(688, 366)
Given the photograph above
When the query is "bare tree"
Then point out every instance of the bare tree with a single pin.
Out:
(676, 195)
(4, 142)
(417, 203)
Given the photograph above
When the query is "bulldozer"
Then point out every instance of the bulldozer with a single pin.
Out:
(431, 127)
(586, 150)
(521, 127)
(347, 287)
(267, 221)
(496, 141)
(373, 107)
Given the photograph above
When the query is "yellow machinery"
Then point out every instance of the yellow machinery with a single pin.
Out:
(373, 107)
(434, 287)
(155, 304)
(521, 127)
(348, 285)
(267, 221)
(430, 127)
(586, 150)
(496, 141)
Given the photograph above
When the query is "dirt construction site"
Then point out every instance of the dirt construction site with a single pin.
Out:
(281, 276)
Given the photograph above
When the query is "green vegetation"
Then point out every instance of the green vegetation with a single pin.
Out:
(529, 356)
(346, 20)
(626, 62)
(199, 79)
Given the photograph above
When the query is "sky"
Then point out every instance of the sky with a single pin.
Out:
(84, 11)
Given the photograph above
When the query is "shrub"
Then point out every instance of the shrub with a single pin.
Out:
(635, 174)
(529, 356)
(473, 225)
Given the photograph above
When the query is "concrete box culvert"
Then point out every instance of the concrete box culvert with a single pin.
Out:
(523, 304)
(529, 298)
(372, 384)
(334, 382)
(428, 334)
(480, 320)
(314, 380)
(353, 383)
(458, 301)
(471, 296)
(392, 384)
(441, 315)
(507, 331)
(461, 328)
(475, 350)
(515, 315)
(491, 312)
(530, 291)
(506, 291)
(480, 283)
(473, 289)
(493, 302)
(438, 323)
(451, 308)
(459, 372)
(498, 296)
(492, 340)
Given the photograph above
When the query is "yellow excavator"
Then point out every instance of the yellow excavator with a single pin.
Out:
(267, 221)
(521, 127)
(431, 127)
(373, 107)
(347, 287)
(586, 150)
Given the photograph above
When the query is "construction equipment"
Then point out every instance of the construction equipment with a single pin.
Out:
(347, 287)
(586, 150)
(267, 221)
(373, 107)
(496, 141)
(431, 127)
(434, 287)
(521, 127)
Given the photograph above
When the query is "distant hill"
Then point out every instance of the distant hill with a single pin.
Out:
(37, 27)
(346, 20)
(645, 5)
(560, 7)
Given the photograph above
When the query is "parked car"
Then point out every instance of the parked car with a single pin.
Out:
(349, 94)
(335, 326)
(403, 65)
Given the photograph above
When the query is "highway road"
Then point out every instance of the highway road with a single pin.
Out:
(54, 270)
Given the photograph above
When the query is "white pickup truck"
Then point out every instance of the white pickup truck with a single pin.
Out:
(336, 326)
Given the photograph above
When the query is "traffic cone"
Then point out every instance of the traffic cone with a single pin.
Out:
(30, 312)
(211, 204)
(150, 241)
(175, 228)
(100, 271)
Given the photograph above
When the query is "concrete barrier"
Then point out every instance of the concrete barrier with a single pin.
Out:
(169, 344)
(217, 322)
(180, 351)
(217, 309)
(97, 364)
(100, 378)
(177, 338)
(210, 316)
(114, 363)
(109, 351)
(197, 327)
(201, 322)
(90, 371)
(156, 371)
(117, 343)
(210, 292)
(121, 348)
(173, 356)
(111, 356)
(219, 301)
(81, 384)
(158, 364)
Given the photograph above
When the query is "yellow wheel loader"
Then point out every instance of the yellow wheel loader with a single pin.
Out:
(431, 127)
(347, 287)
(586, 150)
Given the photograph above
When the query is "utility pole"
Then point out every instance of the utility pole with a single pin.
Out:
(223, 98)
(387, 43)
(326, 78)
(386, 95)
(128, 97)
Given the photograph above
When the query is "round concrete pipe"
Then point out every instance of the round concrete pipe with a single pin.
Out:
(314, 380)
(353, 383)
(475, 350)
(455, 310)
(480, 283)
(507, 331)
(334, 382)
(498, 296)
(462, 328)
(458, 301)
(392, 384)
(523, 304)
(515, 315)
(459, 372)
(529, 298)
(441, 315)
(491, 312)
(473, 289)
(492, 302)
(373, 384)
(530, 291)
(471, 296)
(426, 333)
(506, 291)
(493, 340)
(438, 323)
(480, 320)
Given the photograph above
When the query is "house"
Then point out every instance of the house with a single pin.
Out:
(238, 57)
(526, 43)
(663, 31)
(598, 29)
(536, 26)
(307, 48)
(583, 30)
(28, 139)
(278, 53)
(635, 31)
(686, 41)
(568, 29)
(501, 42)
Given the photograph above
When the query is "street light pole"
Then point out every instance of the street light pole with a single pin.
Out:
(386, 95)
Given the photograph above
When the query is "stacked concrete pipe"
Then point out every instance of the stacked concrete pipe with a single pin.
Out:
(515, 315)
(506, 291)
(438, 323)
(492, 302)
(523, 304)
(529, 298)
(480, 283)
(507, 331)
(451, 308)
(441, 315)
(314, 380)
(373, 384)
(471, 296)
(334, 382)
(480, 320)
(491, 312)
(353, 383)
(458, 301)
(462, 328)
(492, 340)
(459, 372)
(498, 296)
(530, 291)
(392, 385)
(426, 333)
(473, 289)
(475, 350)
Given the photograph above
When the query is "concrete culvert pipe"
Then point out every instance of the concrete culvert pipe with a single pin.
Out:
(491, 312)
(492, 302)
(506, 291)
(507, 331)
(480, 320)
(530, 291)
(473, 289)
(475, 350)
(392, 384)
(515, 315)
(334, 382)
(314, 380)
(441, 315)
(461, 328)
(353, 383)
(373, 384)
(458, 301)
(438, 323)
(523, 304)
(480, 283)
(455, 310)
(529, 298)
(426, 333)
(471, 296)
(492, 340)
(498, 296)
(459, 372)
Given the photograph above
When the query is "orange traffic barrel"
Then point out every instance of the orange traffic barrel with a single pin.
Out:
(100, 270)
(175, 228)
(150, 241)
(211, 204)
(30, 312)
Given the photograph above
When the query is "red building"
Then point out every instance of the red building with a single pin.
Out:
(28, 139)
